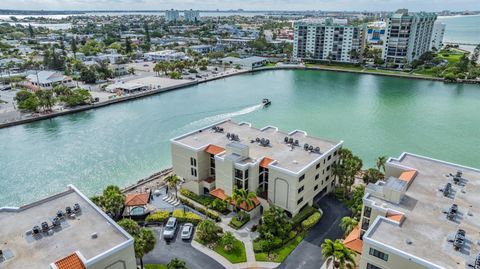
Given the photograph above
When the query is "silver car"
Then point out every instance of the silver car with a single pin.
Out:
(187, 231)
(170, 229)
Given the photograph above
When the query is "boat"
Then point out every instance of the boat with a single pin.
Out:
(266, 102)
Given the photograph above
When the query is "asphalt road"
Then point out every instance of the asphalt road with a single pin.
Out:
(164, 252)
(308, 254)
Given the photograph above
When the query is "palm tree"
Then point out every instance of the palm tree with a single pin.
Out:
(337, 254)
(381, 163)
(372, 175)
(240, 196)
(172, 182)
(348, 224)
(176, 263)
(144, 239)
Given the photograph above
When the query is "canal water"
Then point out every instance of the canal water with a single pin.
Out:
(122, 143)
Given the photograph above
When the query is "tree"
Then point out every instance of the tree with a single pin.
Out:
(172, 182)
(372, 175)
(131, 71)
(176, 264)
(31, 32)
(74, 47)
(46, 99)
(275, 222)
(346, 168)
(348, 224)
(88, 75)
(111, 201)
(147, 33)
(207, 231)
(381, 162)
(128, 45)
(228, 241)
(27, 100)
(337, 254)
(144, 239)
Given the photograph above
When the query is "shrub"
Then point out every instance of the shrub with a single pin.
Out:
(228, 241)
(158, 216)
(264, 245)
(186, 217)
(303, 214)
(192, 70)
(208, 232)
(311, 221)
(219, 205)
(175, 75)
(238, 221)
(203, 68)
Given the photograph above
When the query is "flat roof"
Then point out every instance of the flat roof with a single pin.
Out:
(25, 251)
(425, 231)
(293, 160)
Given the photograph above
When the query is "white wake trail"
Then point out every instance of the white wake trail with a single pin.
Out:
(216, 118)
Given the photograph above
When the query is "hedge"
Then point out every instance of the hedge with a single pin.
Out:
(186, 217)
(211, 214)
(158, 216)
(311, 221)
(303, 215)
(201, 199)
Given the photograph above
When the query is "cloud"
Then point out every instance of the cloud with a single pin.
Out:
(434, 5)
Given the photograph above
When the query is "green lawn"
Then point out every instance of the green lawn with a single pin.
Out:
(282, 253)
(452, 56)
(236, 224)
(237, 255)
(155, 266)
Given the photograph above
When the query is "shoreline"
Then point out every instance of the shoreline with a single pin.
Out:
(194, 83)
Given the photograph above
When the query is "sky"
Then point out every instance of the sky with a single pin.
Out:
(370, 5)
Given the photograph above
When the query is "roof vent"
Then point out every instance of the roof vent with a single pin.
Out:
(408, 241)
(94, 235)
(295, 161)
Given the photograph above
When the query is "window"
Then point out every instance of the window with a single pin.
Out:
(299, 201)
(238, 173)
(318, 165)
(317, 176)
(302, 177)
(315, 188)
(193, 171)
(365, 224)
(328, 168)
(329, 157)
(367, 211)
(301, 189)
(371, 266)
(193, 162)
(335, 153)
(327, 178)
(378, 254)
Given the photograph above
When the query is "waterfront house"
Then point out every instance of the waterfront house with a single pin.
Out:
(136, 204)
(125, 87)
(247, 63)
(47, 80)
(288, 170)
(63, 231)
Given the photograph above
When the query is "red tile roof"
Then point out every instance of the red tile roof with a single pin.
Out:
(353, 241)
(398, 217)
(70, 262)
(265, 162)
(135, 199)
(212, 149)
(220, 194)
(408, 176)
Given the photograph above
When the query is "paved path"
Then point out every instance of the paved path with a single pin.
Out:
(308, 254)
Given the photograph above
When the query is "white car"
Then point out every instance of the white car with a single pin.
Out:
(170, 229)
(187, 231)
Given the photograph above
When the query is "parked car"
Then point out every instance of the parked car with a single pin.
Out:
(170, 229)
(187, 231)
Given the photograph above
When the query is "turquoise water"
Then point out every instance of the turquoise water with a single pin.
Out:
(463, 29)
(122, 143)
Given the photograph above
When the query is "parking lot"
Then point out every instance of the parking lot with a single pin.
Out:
(177, 248)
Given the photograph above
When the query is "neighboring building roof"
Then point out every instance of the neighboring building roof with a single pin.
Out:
(420, 230)
(212, 149)
(293, 160)
(220, 194)
(75, 234)
(137, 199)
(353, 241)
(44, 77)
(70, 262)
(124, 86)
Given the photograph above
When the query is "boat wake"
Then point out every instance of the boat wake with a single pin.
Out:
(216, 118)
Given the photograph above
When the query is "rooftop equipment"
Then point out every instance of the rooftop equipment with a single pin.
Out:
(76, 208)
(45, 227)
(452, 212)
(459, 239)
(36, 229)
(447, 189)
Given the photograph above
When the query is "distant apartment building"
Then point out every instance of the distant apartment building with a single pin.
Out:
(286, 169)
(328, 39)
(408, 36)
(165, 55)
(423, 215)
(192, 15)
(376, 33)
(437, 36)
(63, 231)
(172, 15)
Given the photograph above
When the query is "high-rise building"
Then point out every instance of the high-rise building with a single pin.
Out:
(424, 214)
(328, 39)
(63, 231)
(285, 169)
(192, 15)
(172, 15)
(408, 36)
(437, 36)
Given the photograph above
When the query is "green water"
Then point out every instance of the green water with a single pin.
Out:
(462, 29)
(122, 143)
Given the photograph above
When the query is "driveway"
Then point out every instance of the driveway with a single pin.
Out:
(308, 254)
(164, 252)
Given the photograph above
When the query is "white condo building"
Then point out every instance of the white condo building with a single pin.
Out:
(437, 36)
(408, 36)
(172, 15)
(286, 169)
(328, 39)
(63, 231)
(192, 15)
(423, 215)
